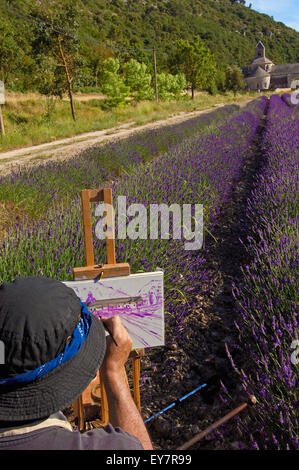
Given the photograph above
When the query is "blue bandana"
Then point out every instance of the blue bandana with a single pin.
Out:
(79, 335)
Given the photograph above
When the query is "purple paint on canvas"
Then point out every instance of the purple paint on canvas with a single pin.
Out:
(134, 314)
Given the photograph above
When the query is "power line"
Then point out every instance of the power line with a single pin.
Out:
(63, 32)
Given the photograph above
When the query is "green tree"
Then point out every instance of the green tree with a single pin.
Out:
(49, 81)
(197, 63)
(112, 84)
(170, 86)
(234, 79)
(137, 78)
(55, 37)
(220, 80)
(10, 52)
(95, 56)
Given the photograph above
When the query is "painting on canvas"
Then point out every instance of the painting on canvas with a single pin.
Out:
(138, 299)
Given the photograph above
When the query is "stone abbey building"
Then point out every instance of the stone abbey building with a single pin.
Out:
(263, 74)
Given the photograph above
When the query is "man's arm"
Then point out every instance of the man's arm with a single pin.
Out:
(123, 412)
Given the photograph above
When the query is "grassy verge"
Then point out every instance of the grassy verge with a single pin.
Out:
(31, 120)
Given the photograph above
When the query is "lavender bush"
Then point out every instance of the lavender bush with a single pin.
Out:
(266, 293)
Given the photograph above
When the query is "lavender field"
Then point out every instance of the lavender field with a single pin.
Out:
(266, 292)
(230, 306)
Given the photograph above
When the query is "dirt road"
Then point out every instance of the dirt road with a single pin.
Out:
(68, 147)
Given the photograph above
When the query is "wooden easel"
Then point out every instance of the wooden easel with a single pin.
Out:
(100, 271)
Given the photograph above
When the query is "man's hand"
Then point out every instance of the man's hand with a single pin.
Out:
(122, 409)
(116, 356)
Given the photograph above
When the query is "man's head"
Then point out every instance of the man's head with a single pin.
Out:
(53, 348)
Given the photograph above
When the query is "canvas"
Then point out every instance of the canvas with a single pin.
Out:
(138, 299)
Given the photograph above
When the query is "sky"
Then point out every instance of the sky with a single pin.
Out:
(286, 11)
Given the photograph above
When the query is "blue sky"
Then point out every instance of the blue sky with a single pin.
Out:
(286, 11)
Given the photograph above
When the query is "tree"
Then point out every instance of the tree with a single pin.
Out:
(95, 56)
(138, 80)
(196, 62)
(170, 86)
(112, 84)
(220, 80)
(234, 79)
(56, 39)
(10, 52)
(50, 81)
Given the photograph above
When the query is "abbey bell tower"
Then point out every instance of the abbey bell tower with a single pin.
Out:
(260, 50)
(263, 74)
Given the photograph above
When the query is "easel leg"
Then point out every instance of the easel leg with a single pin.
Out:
(79, 413)
(136, 378)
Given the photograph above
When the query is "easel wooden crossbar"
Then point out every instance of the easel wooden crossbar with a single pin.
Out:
(99, 271)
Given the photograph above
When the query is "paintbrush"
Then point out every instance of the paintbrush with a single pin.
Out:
(106, 327)
(105, 302)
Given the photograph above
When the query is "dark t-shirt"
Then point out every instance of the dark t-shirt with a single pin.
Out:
(53, 435)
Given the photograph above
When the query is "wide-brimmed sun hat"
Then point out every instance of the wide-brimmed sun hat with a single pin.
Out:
(53, 348)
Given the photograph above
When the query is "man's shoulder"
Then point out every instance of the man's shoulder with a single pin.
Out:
(109, 438)
(59, 438)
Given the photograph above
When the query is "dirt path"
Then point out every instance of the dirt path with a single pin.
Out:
(68, 147)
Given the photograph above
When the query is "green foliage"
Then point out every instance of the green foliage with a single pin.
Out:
(94, 55)
(220, 82)
(212, 89)
(138, 80)
(50, 79)
(196, 62)
(59, 51)
(10, 52)
(229, 31)
(113, 84)
(234, 79)
(170, 86)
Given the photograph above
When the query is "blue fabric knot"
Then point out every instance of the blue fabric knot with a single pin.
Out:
(79, 336)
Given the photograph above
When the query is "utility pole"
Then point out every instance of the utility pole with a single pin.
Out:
(1, 122)
(155, 69)
(2, 101)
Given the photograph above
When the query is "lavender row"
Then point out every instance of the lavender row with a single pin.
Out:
(267, 291)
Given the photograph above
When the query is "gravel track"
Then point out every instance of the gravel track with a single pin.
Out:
(69, 147)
